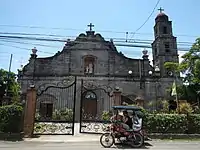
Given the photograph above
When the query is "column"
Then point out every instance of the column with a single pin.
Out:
(117, 98)
(29, 115)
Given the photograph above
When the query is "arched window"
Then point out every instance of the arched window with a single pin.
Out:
(90, 95)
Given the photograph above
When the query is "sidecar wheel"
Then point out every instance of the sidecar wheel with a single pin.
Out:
(138, 140)
(107, 140)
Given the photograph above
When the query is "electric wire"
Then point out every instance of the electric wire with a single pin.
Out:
(147, 18)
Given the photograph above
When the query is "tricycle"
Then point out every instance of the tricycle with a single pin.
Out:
(132, 136)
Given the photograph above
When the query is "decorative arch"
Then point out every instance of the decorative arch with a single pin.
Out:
(90, 95)
(46, 98)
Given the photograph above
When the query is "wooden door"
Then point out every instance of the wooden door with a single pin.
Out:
(90, 107)
(49, 111)
(46, 110)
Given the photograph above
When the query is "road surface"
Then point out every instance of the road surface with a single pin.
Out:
(154, 145)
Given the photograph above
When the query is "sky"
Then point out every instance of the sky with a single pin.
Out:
(71, 18)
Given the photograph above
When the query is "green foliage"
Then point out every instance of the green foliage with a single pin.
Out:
(165, 123)
(182, 91)
(194, 123)
(172, 123)
(190, 67)
(37, 115)
(63, 114)
(185, 108)
(172, 66)
(186, 92)
(10, 118)
(106, 115)
(162, 105)
(12, 85)
(196, 110)
(191, 63)
(165, 106)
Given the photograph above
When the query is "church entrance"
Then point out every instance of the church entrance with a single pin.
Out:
(96, 102)
(89, 104)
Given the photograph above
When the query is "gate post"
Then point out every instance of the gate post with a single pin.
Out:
(117, 97)
(29, 114)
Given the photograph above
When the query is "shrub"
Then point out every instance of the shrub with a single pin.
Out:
(185, 108)
(63, 114)
(166, 123)
(37, 115)
(172, 123)
(196, 110)
(165, 106)
(10, 118)
(193, 123)
(106, 115)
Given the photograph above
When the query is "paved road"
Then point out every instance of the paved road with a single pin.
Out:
(156, 145)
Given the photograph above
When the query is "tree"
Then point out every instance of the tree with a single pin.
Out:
(172, 66)
(190, 65)
(8, 82)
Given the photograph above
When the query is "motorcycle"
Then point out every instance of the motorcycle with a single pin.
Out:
(133, 137)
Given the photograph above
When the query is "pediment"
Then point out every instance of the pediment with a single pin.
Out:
(90, 45)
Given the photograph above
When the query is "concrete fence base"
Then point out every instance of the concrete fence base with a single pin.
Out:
(11, 136)
(173, 136)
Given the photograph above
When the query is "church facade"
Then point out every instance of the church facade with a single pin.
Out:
(101, 69)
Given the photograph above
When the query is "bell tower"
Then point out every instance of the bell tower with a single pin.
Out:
(164, 47)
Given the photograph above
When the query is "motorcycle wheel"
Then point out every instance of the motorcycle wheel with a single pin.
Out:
(138, 140)
(109, 140)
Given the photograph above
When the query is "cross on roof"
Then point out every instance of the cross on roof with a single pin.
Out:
(161, 9)
(90, 26)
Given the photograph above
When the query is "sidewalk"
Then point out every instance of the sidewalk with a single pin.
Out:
(65, 138)
(77, 137)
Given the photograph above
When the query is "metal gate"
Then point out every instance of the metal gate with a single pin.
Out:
(96, 103)
(55, 108)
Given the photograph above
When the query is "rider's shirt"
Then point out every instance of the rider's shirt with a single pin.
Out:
(128, 121)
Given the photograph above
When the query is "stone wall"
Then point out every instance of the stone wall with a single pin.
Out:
(108, 61)
(128, 86)
(110, 70)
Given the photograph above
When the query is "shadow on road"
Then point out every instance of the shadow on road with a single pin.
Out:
(126, 146)
(35, 136)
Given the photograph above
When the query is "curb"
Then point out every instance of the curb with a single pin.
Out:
(173, 136)
(89, 138)
(62, 141)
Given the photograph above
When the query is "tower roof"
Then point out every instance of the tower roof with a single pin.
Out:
(161, 16)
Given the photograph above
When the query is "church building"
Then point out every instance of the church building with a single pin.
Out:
(101, 69)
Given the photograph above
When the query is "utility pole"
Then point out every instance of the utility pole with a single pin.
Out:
(177, 101)
(8, 75)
